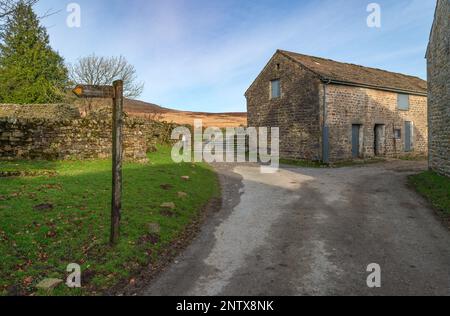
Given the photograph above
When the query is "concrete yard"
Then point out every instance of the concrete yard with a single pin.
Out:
(314, 232)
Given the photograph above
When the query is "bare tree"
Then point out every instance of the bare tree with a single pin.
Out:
(95, 70)
(7, 6)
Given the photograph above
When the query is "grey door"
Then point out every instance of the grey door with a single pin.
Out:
(408, 136)
(355, 140)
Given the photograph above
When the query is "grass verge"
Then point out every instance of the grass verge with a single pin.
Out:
(413, 158)
(319, 164)
(48, 222)
(303, 163)
(436, 189)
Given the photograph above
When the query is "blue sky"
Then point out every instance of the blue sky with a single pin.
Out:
(202, 55)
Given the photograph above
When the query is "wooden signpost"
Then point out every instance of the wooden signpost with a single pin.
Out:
(87, 91)
(116, 93)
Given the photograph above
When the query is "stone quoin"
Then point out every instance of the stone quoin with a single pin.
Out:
(438, 57)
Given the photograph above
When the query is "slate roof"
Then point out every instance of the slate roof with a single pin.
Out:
(350, 74)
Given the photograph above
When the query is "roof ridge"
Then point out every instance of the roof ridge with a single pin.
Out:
(350, 64)
(286, 54)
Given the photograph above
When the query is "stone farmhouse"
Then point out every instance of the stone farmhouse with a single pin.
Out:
(332, 111)
(438, 56)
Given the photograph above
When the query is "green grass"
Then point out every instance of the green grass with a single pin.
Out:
(27, 165)
(303, 163)
(355, 163)
(413, 158)
(435, 188)
(318, 164)
(37, 244)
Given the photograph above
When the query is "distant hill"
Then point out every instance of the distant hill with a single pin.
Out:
(221, 120)
(153, 111)
(135, 106)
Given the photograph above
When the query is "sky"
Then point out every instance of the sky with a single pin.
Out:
(202, 55)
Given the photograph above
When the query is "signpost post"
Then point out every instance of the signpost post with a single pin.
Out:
(117, 156)
(116, 93)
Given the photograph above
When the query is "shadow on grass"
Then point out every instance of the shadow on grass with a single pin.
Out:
(27, 165)
(38, 244)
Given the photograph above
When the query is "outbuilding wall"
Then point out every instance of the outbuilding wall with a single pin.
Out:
(347, 106)
(296, 112)
(439, 90)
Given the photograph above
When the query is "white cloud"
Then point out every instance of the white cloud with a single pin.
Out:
(202, 55)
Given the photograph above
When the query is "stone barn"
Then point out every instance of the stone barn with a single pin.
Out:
(438, 56)
(332, 111)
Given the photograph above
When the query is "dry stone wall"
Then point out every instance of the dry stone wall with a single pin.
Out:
(66, 140)
(53, 112)
(24, 136)
(156, 133)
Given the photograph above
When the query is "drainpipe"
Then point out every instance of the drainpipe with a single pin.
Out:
(325, 129)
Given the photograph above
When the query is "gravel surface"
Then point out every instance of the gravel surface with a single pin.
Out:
(314, 232)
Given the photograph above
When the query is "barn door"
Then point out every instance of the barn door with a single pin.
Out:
(408, 136)
(379, 140)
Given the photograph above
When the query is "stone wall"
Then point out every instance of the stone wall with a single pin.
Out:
(57, 132)
(438, 57)
(367, 107)
(296, 113)
(68, 139)
(40, 111)
(156, 133)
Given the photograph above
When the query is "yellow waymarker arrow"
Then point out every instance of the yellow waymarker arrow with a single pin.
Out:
(91, 91)
(78, 91)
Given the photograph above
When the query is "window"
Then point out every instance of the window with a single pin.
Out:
(403, 102)
(398, 134)
(275, 89)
